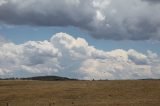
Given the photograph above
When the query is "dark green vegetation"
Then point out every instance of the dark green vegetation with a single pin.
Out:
(42, 78)
(80, 93)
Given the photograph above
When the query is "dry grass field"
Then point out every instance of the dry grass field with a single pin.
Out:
(80, 93)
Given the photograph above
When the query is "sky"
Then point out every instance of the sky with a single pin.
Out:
(91, 39)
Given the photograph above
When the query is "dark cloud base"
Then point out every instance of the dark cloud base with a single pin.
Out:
(102, 19)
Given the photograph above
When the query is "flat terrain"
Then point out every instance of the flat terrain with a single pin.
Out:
(80, 93)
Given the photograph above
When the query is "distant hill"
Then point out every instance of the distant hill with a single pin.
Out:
(42, 78)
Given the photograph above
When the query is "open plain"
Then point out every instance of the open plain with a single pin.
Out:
(80, 93)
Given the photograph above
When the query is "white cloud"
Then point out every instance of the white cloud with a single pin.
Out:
(99, 16)
(137, 58)
(101, 4)
(64, 55)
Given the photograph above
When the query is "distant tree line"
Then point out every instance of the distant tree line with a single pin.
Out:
(43, 78)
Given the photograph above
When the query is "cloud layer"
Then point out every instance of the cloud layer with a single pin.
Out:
(103, 19)
(66, 56)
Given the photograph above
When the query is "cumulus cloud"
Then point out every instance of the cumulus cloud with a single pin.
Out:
(103, 19)
(137, 58)
(67, 56)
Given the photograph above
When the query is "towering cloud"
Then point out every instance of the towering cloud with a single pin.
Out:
(64, 55)
(103, 19)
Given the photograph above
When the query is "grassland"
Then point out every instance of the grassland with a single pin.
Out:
(80, 93)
